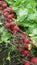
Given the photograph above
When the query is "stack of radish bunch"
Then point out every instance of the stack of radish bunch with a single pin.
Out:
(8, 14)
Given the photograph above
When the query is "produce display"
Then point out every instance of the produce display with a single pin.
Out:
(18, 32)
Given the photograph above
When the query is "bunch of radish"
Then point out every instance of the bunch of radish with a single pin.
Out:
(3, 5)
(9, 13)
(33, 61)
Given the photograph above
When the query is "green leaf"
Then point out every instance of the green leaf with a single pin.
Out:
(5, 36)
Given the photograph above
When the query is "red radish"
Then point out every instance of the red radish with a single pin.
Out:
(34, 60)
(7, 24)
(26, 63)
(0, 8)
(5, 10)
(26, 46)
(27, 40)
(12, 23)
(9, 16)
(4, 5)
(16, 28)
(10, 20)
(5, 14)
(22, 41)
(10, 9)
(0, 2)
(26, 52)
(12, 15)
(24, 33)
